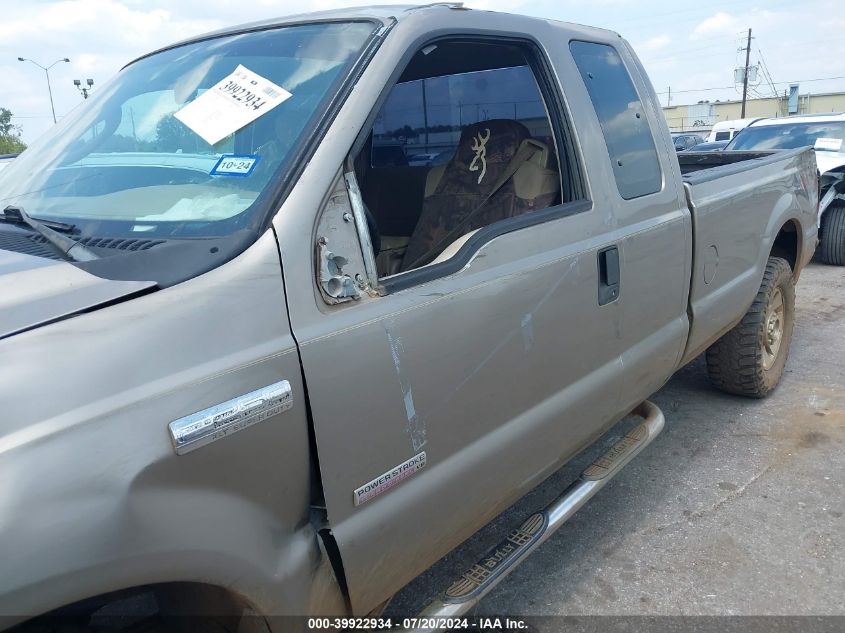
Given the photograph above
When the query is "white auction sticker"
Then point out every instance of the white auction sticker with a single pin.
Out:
(230, 104)
(831, 144)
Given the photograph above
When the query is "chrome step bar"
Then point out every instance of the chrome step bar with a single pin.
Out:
(463, 594)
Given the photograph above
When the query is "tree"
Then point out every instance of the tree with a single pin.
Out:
(406, 131)
(10, 134)
(172, 135)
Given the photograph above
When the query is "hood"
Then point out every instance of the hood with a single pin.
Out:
(829, 160)
(35, 291)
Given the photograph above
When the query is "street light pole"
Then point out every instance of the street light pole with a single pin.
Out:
(50, 92)
(82, 89)
(47, 74)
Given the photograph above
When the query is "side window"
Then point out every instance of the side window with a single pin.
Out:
(422, 119)
(723, 136)
(623, 122)
(463, 142)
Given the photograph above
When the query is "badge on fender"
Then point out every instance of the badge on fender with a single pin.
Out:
(219, 421)
(388, 480)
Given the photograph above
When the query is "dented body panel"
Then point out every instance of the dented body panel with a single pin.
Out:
(411, 417)
(95, 498)
(499, 372)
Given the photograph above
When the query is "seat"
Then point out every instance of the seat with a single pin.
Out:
(462, 196)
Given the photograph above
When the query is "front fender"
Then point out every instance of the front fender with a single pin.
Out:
(93, 497)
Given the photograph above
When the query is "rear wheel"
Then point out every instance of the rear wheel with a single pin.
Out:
(749, 360)
(833, 236)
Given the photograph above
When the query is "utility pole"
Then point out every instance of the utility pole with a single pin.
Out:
(669, 98)
(745, 75)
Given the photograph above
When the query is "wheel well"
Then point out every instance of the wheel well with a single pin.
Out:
(134, 607)
(786, 244)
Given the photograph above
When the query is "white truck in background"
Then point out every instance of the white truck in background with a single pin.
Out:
(825, 133)
(726, 130)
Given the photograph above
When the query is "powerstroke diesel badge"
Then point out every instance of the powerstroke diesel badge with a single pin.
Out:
(229, 417)
(389, 479)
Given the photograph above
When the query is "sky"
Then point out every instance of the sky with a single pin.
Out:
(689, 46)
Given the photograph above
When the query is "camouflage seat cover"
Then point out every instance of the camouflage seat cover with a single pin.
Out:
(482, 157)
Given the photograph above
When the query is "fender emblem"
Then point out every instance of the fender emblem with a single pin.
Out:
(221, 420)
(388, 480)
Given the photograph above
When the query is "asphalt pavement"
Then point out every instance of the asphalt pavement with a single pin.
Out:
(737, 508)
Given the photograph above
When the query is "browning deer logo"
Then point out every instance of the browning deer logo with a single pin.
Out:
(479, 146)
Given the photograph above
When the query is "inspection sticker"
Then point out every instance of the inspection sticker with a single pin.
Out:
(230, 104)
(234, 165)
(830, 144)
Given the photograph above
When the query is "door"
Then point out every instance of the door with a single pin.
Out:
(651, 222)
(482, 369)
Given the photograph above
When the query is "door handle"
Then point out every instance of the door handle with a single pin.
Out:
(608, 261)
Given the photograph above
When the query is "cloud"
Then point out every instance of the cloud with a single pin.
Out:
(654, 44)
(718, 24)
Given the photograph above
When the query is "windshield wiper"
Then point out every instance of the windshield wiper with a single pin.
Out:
(69, 247)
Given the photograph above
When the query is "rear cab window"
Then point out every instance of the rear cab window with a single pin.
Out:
(630, 144)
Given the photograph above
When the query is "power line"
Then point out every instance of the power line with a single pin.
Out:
(701, 48)
(766, 73)
(685, 52)
(776, 83)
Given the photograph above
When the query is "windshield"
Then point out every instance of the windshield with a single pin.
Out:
(827, 136)
(185, 142)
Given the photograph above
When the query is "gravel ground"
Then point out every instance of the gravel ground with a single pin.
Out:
(736, 509)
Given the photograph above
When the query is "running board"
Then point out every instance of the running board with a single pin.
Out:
(463, 594)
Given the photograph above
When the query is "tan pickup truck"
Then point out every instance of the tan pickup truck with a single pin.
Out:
(289, 311)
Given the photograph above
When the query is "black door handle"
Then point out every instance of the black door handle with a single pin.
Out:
(608, 260)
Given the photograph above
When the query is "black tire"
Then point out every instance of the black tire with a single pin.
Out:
(832, 236)
(747, 361)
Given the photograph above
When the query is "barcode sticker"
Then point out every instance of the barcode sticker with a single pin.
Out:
(230, 104)
(831, 144)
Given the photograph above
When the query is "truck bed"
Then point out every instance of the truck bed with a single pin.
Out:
(699, 161)
(739, 201)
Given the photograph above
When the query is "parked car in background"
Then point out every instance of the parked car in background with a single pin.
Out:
(727, 130)
(5, 159)
(708, 147)
(431, 158)
(825, 133)
(685, 141)
(421, 160)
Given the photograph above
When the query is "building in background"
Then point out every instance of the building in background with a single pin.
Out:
(700, 117)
